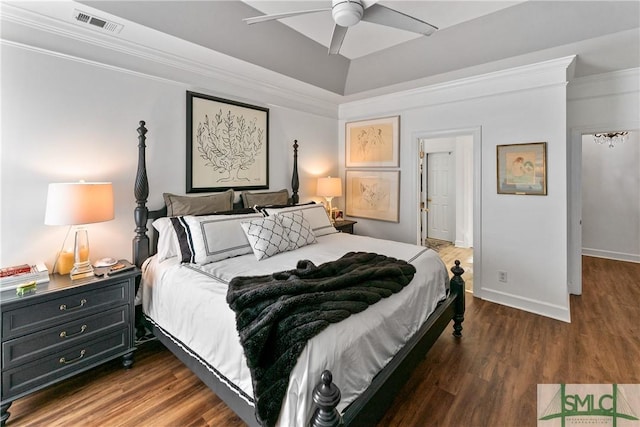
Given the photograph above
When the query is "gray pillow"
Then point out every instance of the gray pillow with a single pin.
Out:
(200, 205)
(265, 199)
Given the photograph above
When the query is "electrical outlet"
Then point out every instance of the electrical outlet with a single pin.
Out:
(502, 276)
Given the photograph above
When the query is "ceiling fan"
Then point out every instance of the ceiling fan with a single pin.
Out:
(347, 13)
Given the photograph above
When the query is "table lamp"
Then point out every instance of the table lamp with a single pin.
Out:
(329, 188)
(77, 204)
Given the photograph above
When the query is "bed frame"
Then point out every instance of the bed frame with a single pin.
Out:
(368, 408)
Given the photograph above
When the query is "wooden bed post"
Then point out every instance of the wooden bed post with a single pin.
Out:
(326, 396)
(295, 183)
(141, 191)
(457, 286)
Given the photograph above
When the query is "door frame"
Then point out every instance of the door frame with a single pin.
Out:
(574, 199)
(476, 134)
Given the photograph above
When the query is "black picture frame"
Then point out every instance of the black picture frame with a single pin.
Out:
(227, 145)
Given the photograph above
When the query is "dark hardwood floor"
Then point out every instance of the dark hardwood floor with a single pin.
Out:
(488, 378)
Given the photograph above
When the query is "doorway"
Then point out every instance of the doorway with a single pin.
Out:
(448, 208)
(614, 237)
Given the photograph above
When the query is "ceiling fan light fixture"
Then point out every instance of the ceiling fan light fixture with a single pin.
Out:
(347, 13)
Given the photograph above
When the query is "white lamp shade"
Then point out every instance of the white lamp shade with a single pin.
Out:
(329, 187)
(78, 203)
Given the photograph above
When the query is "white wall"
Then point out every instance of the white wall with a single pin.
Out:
(611, 199)
(526, 236)
(65, 119)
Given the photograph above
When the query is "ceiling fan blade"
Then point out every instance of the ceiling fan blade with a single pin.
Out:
(383, 15)
(337, 38)
(273, 16)
(368, 3)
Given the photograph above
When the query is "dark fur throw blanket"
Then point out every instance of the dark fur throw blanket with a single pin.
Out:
(276, 314)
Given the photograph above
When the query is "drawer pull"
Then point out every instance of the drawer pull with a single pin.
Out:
(64, 361)
(63, 334)
(63, 307)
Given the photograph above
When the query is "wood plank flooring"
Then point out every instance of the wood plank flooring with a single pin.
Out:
(449, 253)
(488, 378)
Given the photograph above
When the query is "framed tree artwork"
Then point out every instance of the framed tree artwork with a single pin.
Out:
(522, 168)
(227, 145)
(373, 143)
(373, 194)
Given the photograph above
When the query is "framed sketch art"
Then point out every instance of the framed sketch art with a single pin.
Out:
(522, 168)
(373, 194)
(373, 143)
(227, 145)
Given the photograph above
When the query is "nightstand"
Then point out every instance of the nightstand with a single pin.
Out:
(345, 226)
(63, 328)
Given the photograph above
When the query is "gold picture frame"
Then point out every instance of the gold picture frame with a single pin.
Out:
(373, 143)
(373, 194)
(522, 169)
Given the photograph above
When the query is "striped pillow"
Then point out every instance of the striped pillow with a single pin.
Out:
(205, 239)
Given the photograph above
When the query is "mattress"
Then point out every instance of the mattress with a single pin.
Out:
(188, 301)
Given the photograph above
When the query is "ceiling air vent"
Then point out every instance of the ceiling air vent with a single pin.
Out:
(96, 22)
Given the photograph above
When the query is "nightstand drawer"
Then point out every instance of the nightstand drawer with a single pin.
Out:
(60, 364)
(36, 345)
(55, 311)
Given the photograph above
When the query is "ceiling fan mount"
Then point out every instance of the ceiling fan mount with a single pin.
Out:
(347, 13)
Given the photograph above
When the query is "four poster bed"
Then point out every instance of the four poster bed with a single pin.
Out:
(364, 338)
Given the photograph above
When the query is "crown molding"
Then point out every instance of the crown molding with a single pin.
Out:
(607, 84)
(527, 77)
(150, 53)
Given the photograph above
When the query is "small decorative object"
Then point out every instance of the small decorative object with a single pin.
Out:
(336, 215)
(373, 194)
(329, 188)
(78, 203)
(373, 143)
(610, 138)
(227, 145)
(522, 168)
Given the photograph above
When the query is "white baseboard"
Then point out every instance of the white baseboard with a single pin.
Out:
(618, 256)
(461, 244)
(532, 306)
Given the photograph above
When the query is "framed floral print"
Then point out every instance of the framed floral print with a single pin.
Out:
(227, 145)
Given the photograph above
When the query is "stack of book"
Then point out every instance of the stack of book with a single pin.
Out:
(13, 277)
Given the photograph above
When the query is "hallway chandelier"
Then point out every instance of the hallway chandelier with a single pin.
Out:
(610, 138)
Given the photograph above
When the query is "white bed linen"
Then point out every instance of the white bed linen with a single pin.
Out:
(192, 307)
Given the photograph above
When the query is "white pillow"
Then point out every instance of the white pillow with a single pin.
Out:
(167, 245)
(316, 215)
(210, 238)
(299, 230)
(267, 236)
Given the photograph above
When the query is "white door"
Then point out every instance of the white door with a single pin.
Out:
(440, 196)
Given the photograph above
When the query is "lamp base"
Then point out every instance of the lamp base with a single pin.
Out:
(81, 270)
